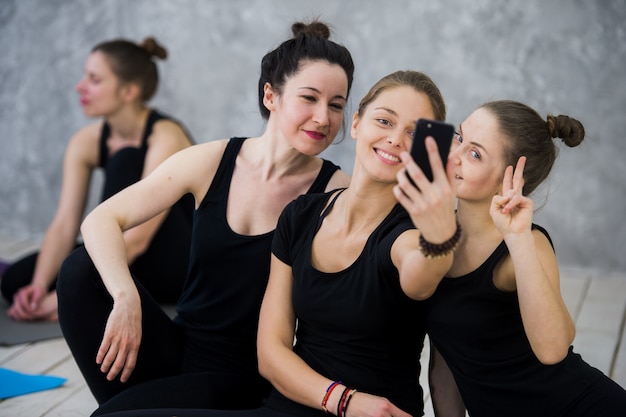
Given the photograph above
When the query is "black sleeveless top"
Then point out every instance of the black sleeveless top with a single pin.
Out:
(219, 308)
(356, 325)
(126, 165)
(478, 330)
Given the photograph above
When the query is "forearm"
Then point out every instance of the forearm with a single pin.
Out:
(290, 375)
(420, 276)
(58, 243)
(548, 324)
(105, 244)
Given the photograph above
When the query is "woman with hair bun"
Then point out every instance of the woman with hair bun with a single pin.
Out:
(130, 352)
(129, 141)
(501, 334)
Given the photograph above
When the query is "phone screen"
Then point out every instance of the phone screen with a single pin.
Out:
(442, 133)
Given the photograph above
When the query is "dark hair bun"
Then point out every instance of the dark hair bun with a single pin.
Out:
(154, 48)
(570, 130)
(315, 28)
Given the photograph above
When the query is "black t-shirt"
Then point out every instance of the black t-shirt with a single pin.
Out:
(355, 325)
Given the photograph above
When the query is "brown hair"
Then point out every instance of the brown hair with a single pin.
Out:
(133, 63)
(310, 42)
(531, 136)
(417, 80)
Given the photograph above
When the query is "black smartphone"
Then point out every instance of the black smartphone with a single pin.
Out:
(442, 133)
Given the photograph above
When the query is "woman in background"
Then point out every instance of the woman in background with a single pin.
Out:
(128, 143)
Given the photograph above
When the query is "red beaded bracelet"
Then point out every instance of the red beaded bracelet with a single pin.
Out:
(329, 390)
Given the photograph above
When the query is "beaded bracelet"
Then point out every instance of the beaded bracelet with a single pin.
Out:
(344, 401)
(341, 400)
(330, 389)
(439, 250)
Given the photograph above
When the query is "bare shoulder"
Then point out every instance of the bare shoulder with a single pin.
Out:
(202, 158)
(546, 253)
(541, 240)
(340, 179)
(171, 131)
(84, 145)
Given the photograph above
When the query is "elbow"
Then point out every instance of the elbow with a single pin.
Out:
(551, 355)
(264, 364)
(85, 226)
(263, 370)
(420, 292)
(423, 294)
(551, 358)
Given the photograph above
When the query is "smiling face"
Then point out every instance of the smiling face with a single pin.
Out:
(385, 129)
(308, 112)
(478, 152)
(99, 89)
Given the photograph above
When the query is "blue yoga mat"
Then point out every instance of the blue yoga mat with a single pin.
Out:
(14, 383)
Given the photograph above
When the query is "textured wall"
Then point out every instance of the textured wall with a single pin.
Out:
(560, 56)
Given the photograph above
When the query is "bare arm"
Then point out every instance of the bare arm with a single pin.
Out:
(533, 271)
(78, 164)
(188, 171)
(547, 322)
(445, 395)
(432, 211)
(60, 238)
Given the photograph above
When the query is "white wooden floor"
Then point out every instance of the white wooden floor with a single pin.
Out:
(597, 304)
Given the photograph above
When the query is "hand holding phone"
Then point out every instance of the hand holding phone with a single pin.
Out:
(442, 133)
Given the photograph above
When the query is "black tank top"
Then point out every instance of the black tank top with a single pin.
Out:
(228, 273)
(478, 329)
(126, 165)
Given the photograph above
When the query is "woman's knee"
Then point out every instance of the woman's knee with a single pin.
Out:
(77, 271)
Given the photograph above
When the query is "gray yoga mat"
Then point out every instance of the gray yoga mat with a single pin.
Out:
(14, 332)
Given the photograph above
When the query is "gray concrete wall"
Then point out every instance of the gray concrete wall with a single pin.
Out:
(560, 56)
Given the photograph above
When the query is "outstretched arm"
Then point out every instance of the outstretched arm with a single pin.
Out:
(431, 207)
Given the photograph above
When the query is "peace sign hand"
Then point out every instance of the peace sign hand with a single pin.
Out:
(512, 212)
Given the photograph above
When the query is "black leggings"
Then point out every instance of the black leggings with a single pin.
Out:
(158, 379)
(19, 274)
